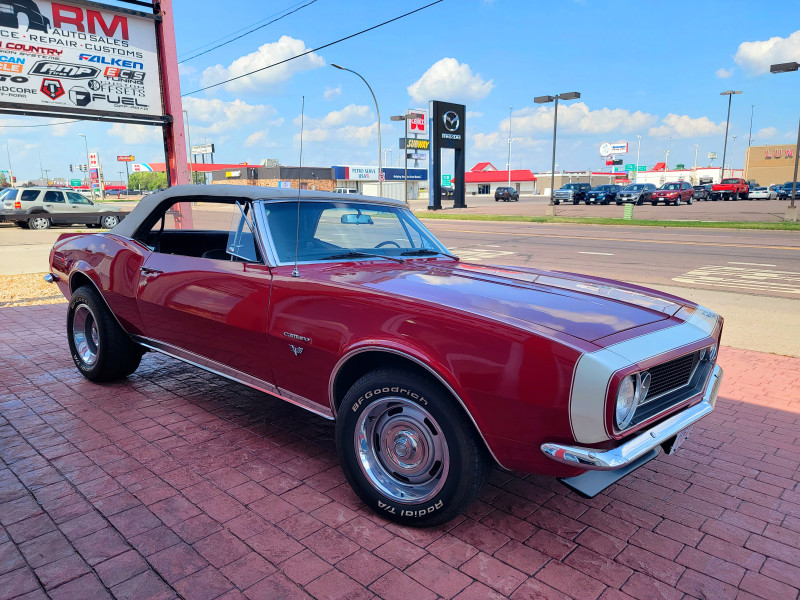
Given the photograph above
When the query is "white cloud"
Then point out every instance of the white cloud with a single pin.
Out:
(331, 93)
(724, 73)
(135, 134)
(577, 118)
(285, 47)
(256, 139)
(474, 114)
(352, 113)
(486, 141)
(756, 57)
(217, 116)
(684, 126)
(766, 133)
(448, 79)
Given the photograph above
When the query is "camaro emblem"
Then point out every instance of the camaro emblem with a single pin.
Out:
(297, 350)
(295, 336)
(451, 121)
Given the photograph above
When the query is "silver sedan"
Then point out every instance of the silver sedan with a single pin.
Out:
(763, 193)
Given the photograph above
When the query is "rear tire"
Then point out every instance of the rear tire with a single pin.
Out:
(408, 450)
(654, 202)
(39, 222)
(100, 349)
(109, 221)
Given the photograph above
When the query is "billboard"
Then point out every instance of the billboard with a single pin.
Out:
(363, 173)
(203, 149)
(82, 58)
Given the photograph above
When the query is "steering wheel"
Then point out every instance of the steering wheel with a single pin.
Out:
(382, 244)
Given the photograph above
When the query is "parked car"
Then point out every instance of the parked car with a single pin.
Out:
(701, 192)
(786, 191)
(39, 208)
(10, 11)
(730, 188)
(506, 194)
(674, 193)
(762, 193)
(603, 194)
(347, 306)
(571, 192)
(636, 193)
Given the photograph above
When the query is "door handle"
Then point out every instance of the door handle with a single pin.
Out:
(149, 271)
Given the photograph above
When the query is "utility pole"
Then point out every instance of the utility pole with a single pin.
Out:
(508, 164)
(729, 94)
(750, 137)
(10, 170)
(638, 149)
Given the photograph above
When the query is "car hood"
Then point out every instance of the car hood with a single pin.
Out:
(584, 307)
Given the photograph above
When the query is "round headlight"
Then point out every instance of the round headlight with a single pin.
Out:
(626, 401)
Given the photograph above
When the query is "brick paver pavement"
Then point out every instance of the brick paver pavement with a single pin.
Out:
(178, 483)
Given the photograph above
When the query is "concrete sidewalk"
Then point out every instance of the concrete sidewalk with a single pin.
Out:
(177, 483)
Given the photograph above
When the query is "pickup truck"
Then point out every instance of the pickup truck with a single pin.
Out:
(732, 188)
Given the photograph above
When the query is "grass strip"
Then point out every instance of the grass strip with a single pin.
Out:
(779, 226)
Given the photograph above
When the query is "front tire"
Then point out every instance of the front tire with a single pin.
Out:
(109, 221)
(100, 349)
(408, 450)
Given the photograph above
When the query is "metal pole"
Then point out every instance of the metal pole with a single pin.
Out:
(750, 137)
(88, 170)
(191, 156)
(127, 176)
(508, 164)
(796, 156)
(405, 155)
(725, 147)
(10, 170)
(553, 167)
(638, 149)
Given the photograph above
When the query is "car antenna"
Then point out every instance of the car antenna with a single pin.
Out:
(295, 272)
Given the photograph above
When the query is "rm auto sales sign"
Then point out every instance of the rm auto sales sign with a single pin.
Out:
(90, 58)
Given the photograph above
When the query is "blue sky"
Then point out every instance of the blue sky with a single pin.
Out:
(640, 70)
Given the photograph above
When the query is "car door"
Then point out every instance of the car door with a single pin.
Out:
(53, 202)
(200, 302)
(81, 209)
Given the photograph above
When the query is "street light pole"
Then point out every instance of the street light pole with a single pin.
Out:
(729, 94)
(638, 149)
(191, 156)
(508, 164)
(545, 100)
(377, 110)
(791, 211)
(10, 170)
(750, 137)
(86, 141)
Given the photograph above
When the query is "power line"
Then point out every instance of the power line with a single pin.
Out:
(213, 85)
(42, 125)
(246, 33)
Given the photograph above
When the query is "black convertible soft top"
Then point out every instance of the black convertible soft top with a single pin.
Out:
(231, 193)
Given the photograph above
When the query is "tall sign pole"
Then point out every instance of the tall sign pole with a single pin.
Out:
(174, 133)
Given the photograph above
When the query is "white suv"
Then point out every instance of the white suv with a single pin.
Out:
(39, 208)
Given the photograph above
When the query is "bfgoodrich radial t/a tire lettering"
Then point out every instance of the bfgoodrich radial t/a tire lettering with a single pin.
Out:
(408, 449)
(100, 349)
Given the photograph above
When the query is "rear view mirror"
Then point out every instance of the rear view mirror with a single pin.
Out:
(356, 219)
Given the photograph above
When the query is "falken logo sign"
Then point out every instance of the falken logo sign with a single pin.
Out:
(64, 70)
(114, 62)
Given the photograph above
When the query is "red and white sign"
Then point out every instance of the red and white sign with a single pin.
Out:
(127, 158)
(778, 152)
(94, 160)
(418, 125)
(381, 176)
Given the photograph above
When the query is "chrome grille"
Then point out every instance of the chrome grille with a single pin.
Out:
(671, 375)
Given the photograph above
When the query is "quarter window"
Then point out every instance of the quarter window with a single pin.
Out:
(29, 195)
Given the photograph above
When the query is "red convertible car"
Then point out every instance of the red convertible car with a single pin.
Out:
(433, 369)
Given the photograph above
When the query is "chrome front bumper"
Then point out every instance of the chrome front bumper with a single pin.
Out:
(628, 452)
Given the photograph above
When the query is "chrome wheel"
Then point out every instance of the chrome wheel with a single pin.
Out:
(110, 222)
(401, 450)
(85, 334)
(39, 223)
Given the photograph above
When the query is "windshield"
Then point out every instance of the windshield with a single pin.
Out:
(331, 229)
(635, 187)
(670, 186)
(600, 188)
(572, 186)
(730, 181)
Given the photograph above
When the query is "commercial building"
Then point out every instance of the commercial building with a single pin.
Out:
(562, 178)
(770, 164)
(304, 178)
(483, 178)
(361, 179)
(696, 176)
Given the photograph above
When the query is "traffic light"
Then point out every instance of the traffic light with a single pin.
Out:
(70, 168)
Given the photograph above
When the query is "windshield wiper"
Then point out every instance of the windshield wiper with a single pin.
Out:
(356, 254)
(428, 252)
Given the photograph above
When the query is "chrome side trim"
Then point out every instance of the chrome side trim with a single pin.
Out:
(352, 353)
(623, 455)
(217, 368)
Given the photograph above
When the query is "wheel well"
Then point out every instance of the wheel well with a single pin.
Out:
(79, 279)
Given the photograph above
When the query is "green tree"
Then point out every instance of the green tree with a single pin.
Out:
(148, 181)
(3, 181)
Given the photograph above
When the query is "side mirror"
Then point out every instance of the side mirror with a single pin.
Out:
(356, 219)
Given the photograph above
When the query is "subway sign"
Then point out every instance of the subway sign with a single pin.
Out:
(412, 144)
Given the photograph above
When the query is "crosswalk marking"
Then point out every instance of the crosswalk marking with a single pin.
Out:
(743, 278)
